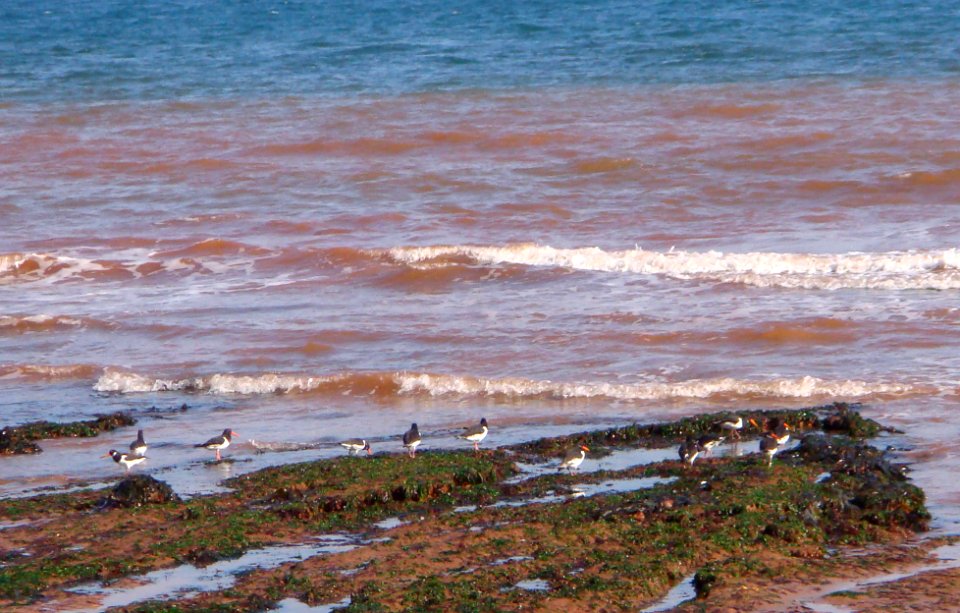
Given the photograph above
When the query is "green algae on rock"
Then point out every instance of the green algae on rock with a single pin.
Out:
(138, 490)
(718, 521)
(20, 439)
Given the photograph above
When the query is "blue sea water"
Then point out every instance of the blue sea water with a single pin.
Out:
(120, 50)
(613, 210)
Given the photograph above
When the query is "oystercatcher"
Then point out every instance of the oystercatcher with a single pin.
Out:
(411, 438)
(769, 446)
(689, 450)
(139, 446)
(733, 427)
(782, 432)
(356, 445)
(219, 442)
(476, 434)
(127, 460)
(574, 457)
(708, 441)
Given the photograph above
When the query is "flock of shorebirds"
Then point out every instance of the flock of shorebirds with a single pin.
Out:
(411, 439)
(771, 442)
(138, 449)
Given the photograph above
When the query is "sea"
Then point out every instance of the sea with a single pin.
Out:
(310, 221)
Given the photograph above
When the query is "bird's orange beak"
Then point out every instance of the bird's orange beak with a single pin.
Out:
(754, 423)
(106, 455)
(584, 447)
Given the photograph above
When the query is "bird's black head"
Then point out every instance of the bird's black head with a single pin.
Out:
(483, 421)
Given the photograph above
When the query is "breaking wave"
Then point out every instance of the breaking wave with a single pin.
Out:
(432, 267)
(440, 385)
(19, 324)
(935, 269)
(47, 372)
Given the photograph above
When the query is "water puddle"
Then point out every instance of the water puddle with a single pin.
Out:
(622, 459)
(822, 607)
(585, 490)
(292, 605)
(681, 593)
(618, 486)
(530, 585)
(282, 446)
(618, 460)
(9, 525)
(390, 523)
(948, 556)
(510, 560)
(188, 580)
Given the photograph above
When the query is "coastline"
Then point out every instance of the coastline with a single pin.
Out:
(498, 528)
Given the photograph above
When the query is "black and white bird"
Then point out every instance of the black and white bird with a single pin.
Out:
(476, 434)
(782, 432)
(127, 460)
(356, 445)
(574, 457)
(708, 441)
(139, 446)
(219, 442)
(411, 438)
(769, 446)
(732, 426)
(688, 451)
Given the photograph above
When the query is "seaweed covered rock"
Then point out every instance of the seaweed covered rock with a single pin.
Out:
(139, 490)
(849, 456)
(846, 419)
(19, 439)
(11, 443)
(874, 489)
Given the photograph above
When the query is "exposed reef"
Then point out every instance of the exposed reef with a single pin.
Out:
(483, 531)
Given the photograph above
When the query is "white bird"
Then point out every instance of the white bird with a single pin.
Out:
(139, 446)
(732, 426)
(476, 434)
(127, 460)
(356, 445)
(574, 457)
(411, 438)
(219, 442)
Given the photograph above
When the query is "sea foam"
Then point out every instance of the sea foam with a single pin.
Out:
(934, 269)
(407, 384)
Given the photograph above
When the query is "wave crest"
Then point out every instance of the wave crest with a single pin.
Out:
(509, 388)
(934, 269)
(47, 372)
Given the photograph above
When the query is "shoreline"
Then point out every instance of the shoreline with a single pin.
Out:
(498, 528)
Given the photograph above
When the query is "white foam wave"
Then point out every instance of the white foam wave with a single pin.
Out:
(802, 387)
(51, 267)
(128, 263)
(404, 383)
(30, 322)
(46, 371)
(934, 269)
(127, 382)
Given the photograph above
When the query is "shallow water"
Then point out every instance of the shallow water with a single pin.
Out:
(187, 580)
(680, 593)
(321, 224)
(948, 556)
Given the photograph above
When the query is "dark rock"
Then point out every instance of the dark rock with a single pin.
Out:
(139, 490)
(12, 444)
